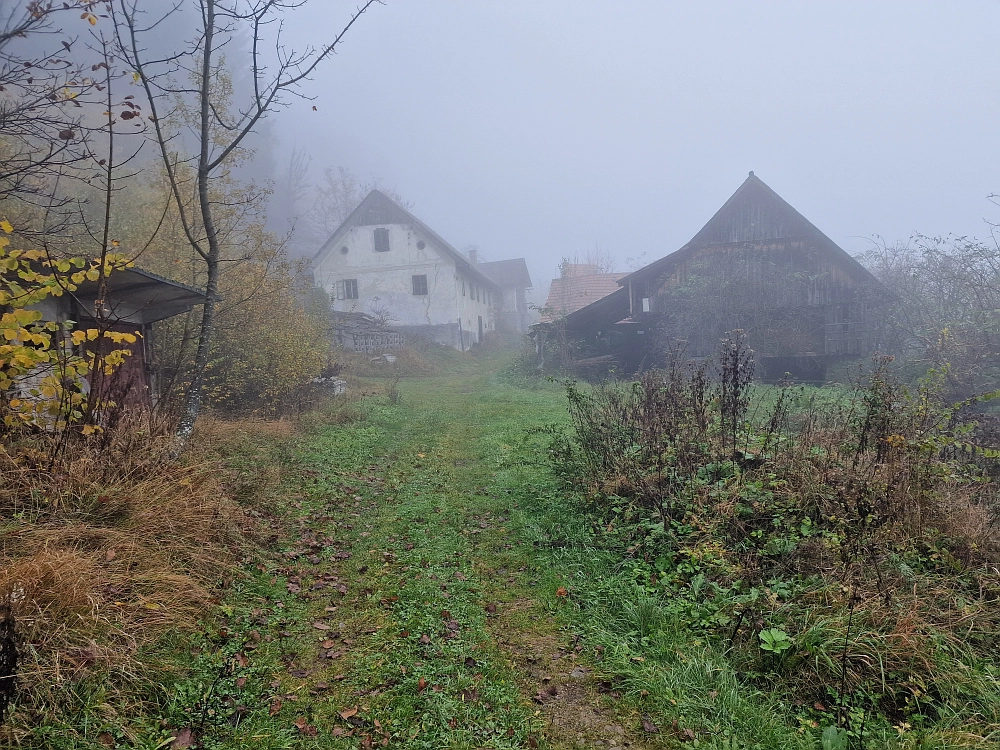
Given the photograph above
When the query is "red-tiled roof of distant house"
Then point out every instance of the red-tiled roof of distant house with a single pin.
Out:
(580, 285)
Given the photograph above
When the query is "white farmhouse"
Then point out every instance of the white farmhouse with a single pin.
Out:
(385, 262)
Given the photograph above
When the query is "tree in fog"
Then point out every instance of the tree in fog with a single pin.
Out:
(188, 90)
(339, 194)
(946, 307)
(43, 91)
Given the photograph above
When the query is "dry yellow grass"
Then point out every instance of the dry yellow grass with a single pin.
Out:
(105, 549)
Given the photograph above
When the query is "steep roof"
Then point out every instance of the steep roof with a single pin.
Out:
(379, 209)
(754, 213)
(513, 272)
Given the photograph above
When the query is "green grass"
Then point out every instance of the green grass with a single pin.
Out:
(449, 551)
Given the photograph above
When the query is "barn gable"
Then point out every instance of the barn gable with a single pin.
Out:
(758, 266)
(755, 215)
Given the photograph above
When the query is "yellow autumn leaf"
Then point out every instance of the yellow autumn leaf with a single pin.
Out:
(6, 226)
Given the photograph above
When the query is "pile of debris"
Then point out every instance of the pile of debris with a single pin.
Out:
(359, 332)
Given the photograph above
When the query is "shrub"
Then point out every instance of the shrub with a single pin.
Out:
(843, 549)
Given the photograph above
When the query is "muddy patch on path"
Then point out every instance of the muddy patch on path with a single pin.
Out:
(564, 683)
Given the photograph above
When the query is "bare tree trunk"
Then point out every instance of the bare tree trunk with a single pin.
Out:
(270, 83)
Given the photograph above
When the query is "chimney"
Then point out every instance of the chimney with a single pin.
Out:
(473, 252)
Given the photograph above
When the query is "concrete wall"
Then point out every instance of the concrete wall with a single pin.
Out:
(385, 281)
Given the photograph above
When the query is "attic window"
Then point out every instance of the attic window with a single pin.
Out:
(420, 284)
(344, 250)
(381, 240)
(421, 245)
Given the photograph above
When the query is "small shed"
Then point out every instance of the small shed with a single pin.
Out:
(135, 300)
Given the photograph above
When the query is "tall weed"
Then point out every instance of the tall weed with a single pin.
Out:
(842, 550)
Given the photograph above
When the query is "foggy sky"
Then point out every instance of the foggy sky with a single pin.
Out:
(538, 128)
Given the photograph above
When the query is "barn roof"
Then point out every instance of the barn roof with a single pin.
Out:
(754, 213)
(609, 309)
(513, 272)
(378, 209)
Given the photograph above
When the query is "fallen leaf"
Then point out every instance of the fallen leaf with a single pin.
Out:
(649, 726)
(347, 713)
(106, 739)
(327, 643)
(182, 739)
(275, 707)
(110, 555)
(421, 684)
(425, 639)
(491, 609)
(562, 592)
(321, 626)
(305, 727)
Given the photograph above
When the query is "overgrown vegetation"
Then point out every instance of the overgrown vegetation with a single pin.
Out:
(839, 552)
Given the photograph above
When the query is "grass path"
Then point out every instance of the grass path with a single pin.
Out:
(407, 608)
(432, 587)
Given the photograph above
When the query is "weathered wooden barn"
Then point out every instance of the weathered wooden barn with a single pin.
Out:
(758, 265)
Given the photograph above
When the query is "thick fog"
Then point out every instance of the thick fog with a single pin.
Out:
(546, 129)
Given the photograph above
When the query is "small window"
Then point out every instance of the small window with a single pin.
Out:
(350, 288)
(381, 240)
(345, 250)
(420, 284)
(420, 245)
(463, 287)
